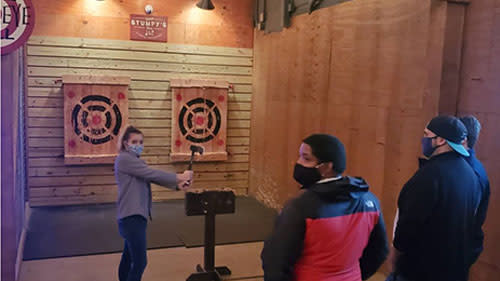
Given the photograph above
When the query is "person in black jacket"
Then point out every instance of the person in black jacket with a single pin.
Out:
(473, 129)
(334, 230)
(437, 224)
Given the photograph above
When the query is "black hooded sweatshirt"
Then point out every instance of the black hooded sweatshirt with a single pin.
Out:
(333, 231)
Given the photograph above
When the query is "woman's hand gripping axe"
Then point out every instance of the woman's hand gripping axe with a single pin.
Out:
(194, 149)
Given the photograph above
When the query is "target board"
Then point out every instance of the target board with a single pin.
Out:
(95, 112)
(199, 117)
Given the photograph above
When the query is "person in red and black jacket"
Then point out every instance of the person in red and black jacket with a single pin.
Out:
(334, 231)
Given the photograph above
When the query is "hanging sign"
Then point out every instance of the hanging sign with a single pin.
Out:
(18, 21)
(148, 28)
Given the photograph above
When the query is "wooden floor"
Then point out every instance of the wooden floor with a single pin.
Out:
(174, 264)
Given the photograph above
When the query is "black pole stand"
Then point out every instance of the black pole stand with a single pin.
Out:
(209, 272)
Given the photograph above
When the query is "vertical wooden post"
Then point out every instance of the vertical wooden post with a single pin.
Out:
(452, 57)
(9, 214)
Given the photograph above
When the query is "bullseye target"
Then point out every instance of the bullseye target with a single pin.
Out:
(96, 119)
(200, 120)
(95, 113)
(199, 117)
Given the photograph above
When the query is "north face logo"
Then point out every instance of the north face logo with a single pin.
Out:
(369, 204)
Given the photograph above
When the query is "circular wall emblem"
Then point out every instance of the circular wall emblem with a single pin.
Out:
(96, 119)
(18, 21)
(200, 120)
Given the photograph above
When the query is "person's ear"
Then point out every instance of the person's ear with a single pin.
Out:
(440, 141)
(325, 168)
(329, 165)
(465, 143)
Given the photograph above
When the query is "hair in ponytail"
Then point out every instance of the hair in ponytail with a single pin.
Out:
(125, 137)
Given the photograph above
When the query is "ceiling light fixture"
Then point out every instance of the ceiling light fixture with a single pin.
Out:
(205, 5)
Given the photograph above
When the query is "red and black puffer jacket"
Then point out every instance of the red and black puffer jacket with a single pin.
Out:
(332, 232)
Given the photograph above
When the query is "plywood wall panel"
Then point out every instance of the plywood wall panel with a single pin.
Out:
(366, 71)
(478, 95)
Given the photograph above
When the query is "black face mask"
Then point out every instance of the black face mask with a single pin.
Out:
(306, 176)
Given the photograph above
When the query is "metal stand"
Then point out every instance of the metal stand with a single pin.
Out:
(209, 272)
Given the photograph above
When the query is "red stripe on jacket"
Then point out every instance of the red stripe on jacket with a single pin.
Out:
(333, 247)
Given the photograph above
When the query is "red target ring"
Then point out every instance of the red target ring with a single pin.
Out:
(199, 120)
(96, 119)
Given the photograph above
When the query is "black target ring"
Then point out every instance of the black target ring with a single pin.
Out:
(106, 108)
(209, 110)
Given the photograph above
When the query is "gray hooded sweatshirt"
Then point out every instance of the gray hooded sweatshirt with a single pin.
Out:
(134, 178)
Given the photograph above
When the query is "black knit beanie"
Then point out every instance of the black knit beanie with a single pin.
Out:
(328, 148)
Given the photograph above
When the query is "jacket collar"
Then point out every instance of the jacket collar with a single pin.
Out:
(343, 187)
(330, 179)
(129, 153)
(424, 161)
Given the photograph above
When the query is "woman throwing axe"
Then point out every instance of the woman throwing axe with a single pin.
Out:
(134, 178)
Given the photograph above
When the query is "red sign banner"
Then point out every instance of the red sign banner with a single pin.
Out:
(148, 28)
(18, 21)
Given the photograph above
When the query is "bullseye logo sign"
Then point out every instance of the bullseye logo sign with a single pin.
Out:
(18, 21)
(96, 119)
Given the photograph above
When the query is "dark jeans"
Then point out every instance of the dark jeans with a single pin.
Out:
(134, 258)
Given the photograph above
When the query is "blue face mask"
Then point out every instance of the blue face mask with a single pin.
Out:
(136, 148)
(427, 148)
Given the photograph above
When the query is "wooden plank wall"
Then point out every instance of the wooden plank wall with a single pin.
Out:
(150, 66)
(479, 95)
(368, 72)
(229, 24)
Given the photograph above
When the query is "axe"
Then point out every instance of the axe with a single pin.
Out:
(194, 149)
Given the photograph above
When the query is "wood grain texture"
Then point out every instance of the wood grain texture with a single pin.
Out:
(368, 72)
(452, 58)
(80, 148)
(58, 53)
(229, 25)
(100, 80)
(479, 87)
(11, 214)
(190, 83)
(211, 121)
(151, 67)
